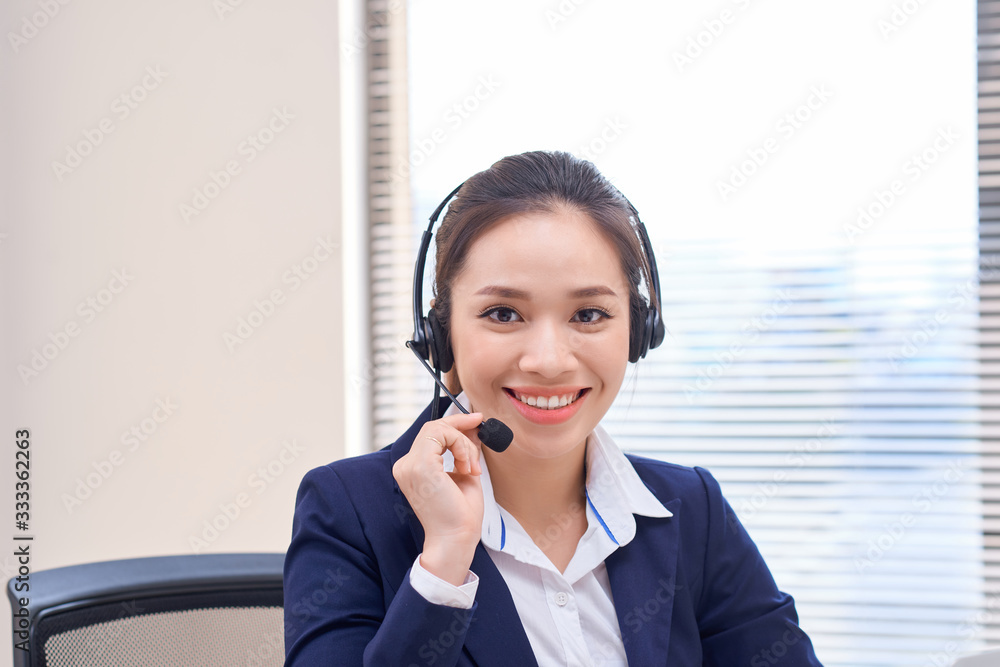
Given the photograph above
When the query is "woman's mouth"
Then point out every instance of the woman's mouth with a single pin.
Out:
(547, 407)
(547, 402)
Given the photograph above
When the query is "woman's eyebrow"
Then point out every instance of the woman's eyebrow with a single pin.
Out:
(597, 290)
(513, 293)
(503, 292)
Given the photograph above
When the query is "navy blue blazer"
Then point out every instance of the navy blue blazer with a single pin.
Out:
(690, 589)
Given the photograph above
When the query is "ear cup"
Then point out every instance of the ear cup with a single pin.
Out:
(438, 343)
(648, 326)
(657, 331)
(638, 341)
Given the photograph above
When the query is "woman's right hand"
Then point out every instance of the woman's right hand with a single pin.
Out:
(449, 505)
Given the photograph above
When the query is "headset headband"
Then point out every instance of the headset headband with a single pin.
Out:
(650, 332)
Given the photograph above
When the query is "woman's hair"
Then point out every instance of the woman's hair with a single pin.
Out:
(539, 181)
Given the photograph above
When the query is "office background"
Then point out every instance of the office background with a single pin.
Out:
(211, 211)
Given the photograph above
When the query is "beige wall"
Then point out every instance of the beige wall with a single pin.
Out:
(137, 302)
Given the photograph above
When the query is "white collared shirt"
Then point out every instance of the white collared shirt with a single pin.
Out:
(569, 617)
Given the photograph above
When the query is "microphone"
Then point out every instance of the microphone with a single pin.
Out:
(493, 433)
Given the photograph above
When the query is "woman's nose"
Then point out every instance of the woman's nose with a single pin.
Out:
(550, 349)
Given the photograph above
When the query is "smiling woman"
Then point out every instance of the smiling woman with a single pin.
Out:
(540, 311)
(561, 549)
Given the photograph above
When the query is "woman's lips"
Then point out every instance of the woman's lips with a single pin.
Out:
(547, 416)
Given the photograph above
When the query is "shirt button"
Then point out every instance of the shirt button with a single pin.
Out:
(562, 599)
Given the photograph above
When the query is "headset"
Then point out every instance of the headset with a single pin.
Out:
(430, 340)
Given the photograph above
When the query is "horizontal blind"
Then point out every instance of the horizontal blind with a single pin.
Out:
(987, 618)
(833, 392)
(391, 374)
(842, 398)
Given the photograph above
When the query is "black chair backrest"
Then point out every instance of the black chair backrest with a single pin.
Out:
(213, 609)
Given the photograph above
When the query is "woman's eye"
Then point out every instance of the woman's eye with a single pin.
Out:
(503, 315)
(590, 315)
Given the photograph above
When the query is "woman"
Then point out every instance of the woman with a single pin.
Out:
(560, 550)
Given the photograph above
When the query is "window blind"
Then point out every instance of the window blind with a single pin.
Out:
(833, 392)
(841, 394)
(391, 374)
(986, 621)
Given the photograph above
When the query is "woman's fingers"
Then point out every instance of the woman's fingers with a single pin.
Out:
(449, 505)
(453, 433)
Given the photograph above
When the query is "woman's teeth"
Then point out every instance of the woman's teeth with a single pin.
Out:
(548, 402)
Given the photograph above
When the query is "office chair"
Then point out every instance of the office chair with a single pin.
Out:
(212, 610)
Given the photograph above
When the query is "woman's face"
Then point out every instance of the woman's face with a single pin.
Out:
(540, 328)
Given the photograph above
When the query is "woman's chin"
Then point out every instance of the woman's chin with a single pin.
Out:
(545, 443)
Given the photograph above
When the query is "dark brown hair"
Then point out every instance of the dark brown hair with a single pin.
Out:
(539, 181)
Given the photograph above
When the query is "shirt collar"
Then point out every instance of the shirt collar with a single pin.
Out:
(614, 491)
(614, 488)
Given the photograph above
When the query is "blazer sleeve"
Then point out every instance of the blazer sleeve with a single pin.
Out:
(335, 595)
(742, 616)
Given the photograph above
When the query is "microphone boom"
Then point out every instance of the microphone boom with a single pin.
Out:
(493, 433)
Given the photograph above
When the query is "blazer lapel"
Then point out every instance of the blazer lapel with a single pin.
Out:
(496, 637)
(643, 577)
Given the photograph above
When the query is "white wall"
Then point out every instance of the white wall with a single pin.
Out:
(156, 97)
